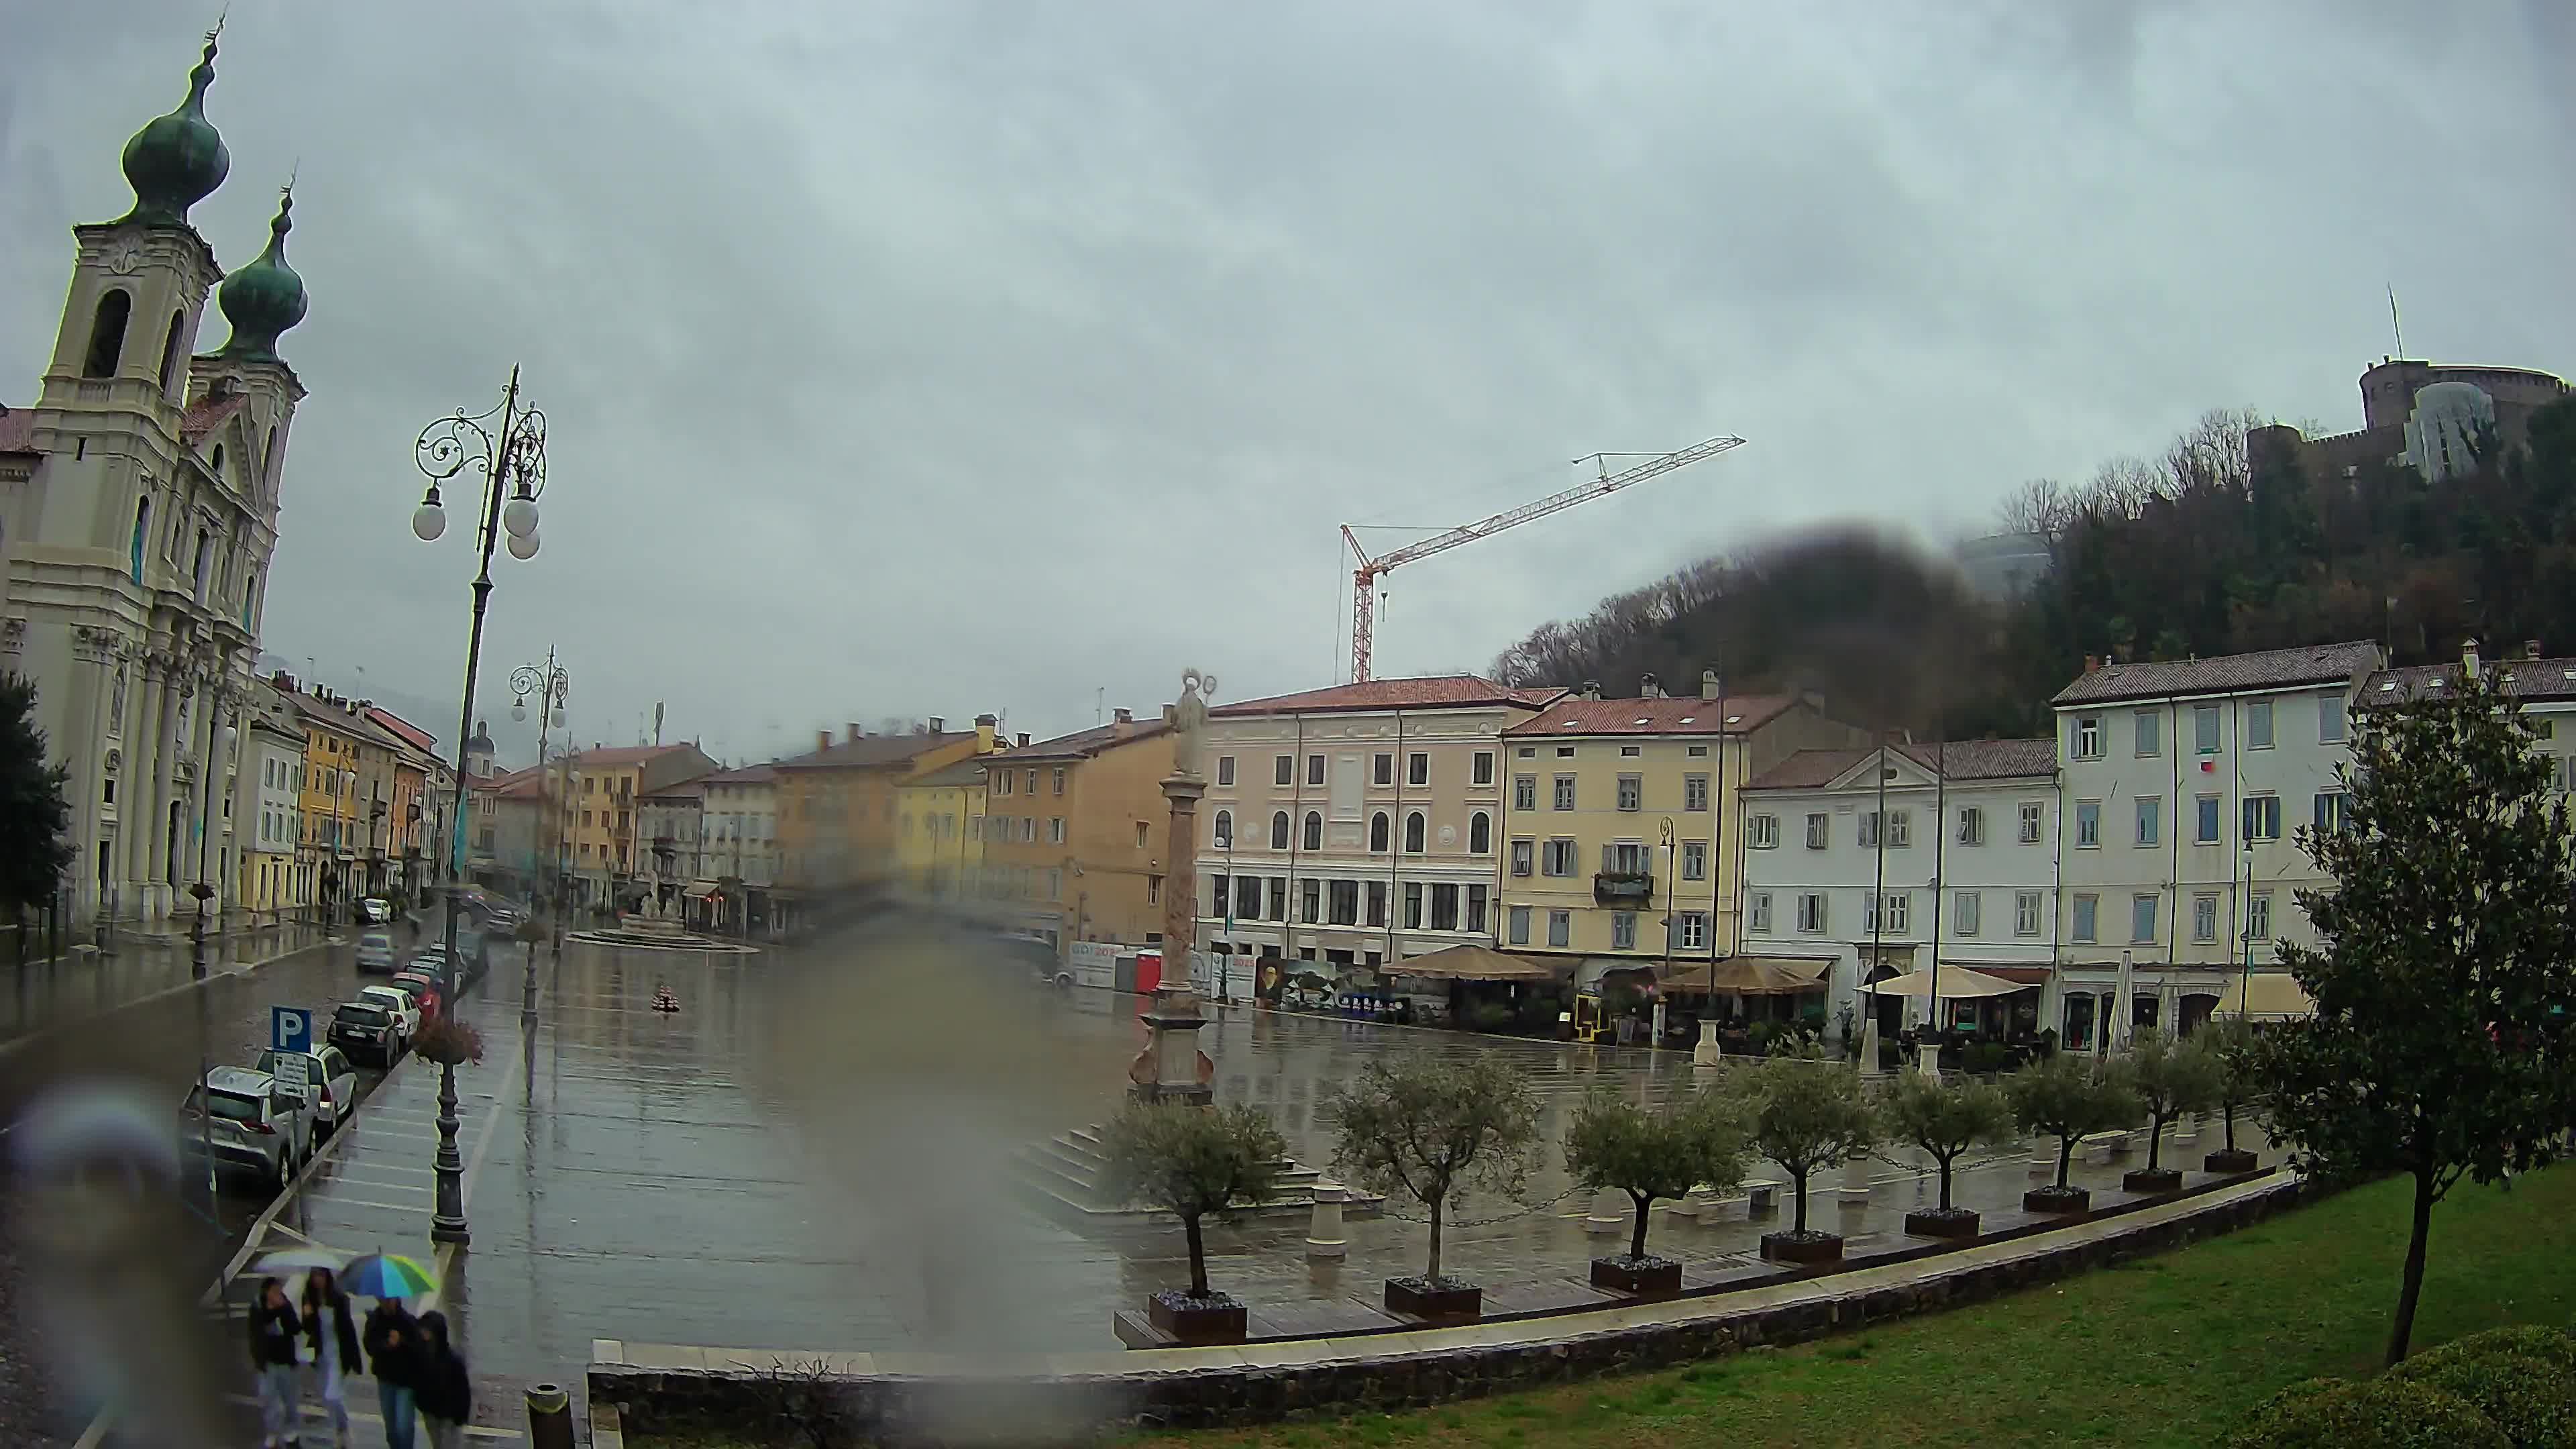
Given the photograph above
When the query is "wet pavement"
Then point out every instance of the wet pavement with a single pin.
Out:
(813, 1152)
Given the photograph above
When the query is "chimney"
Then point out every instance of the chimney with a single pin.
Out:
(1123, 723)
(822, 740)
(1591, 689)
(2092, 663)
(1710, 687)
(938, 724)
(985, 725)
(2469, 659)
(1649, 688)
(2531, 649)
(1021, 739)
(854, 731)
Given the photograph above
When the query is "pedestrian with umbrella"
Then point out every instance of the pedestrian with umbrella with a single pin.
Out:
(274, 1327)
(331, 1328)
(393, 1337)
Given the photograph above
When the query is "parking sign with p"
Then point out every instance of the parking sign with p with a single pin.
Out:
(290, 1029)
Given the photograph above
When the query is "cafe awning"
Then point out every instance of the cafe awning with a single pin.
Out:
(1957, 983)
(1759, 976)
(1470, 963)
(2266, 996)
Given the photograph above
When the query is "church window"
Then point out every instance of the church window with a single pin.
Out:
(170, 351)
(217, 466)
(142, 522)
(107, 333)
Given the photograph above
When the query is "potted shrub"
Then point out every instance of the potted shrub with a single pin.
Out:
(1430, 1129)
(1945, 1118)
(1613, 1143)
(448, 1040)
(2068, 1098)
(2171, 1077)
(1194, 1162)
(2231, 1041)
(1807, 1113)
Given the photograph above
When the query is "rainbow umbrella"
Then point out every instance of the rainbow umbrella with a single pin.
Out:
(386, 1275)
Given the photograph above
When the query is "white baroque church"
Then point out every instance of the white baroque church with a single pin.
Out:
(138, 513)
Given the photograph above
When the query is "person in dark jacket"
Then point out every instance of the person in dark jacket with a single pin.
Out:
(445, 1392)
(331, 1330)
(393, 1341)
(274, 1328)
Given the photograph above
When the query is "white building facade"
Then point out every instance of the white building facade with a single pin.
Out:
(269, 816)
(138, 512)
(2184, 784)
(1340, 825)
(1875, 862)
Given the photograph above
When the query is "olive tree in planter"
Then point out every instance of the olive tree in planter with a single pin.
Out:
(1614, 1143)
(1194, 1162)
(1944, 1117)
(1431, 1129)
(1807, 1113)
(2171, 1077)
(2231, 1042)
(2069, 1097)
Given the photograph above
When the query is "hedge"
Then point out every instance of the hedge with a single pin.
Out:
(2381, 1413)
(2532, 1400)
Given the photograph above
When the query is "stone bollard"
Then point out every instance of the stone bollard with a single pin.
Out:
(2043, 1157)
(1610, 1212)
(2187, 1133)
(1854, 1193)
(1324, 1230)
(1706, 1052)
(549, 1417)
(1927, 1059)
(1702, 1204)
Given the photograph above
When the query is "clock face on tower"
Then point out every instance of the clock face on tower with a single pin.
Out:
(125, 259)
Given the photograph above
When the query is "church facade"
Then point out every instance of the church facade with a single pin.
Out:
(138, 514)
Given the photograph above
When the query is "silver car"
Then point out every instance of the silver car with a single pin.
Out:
(255, 1129)
(334, 1083)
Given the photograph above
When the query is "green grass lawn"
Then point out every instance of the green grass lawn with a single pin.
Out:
(2168, 1350)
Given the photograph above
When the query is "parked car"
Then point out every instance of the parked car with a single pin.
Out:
(423, 988)
(376, 953)
(253, 1129)
(376, 911)
(429, 960)
(368, 1028)
(335, 1084)
(405, 1008)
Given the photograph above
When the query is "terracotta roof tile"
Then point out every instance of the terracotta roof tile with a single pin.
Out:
(623, 755)
(1430, 692)
(2225, 674)
(747, 775)
(2536, 679)
(1693, 716)
(209, 413)
(17, 430)
(950, 777)
(871, 750)
(1083, 744)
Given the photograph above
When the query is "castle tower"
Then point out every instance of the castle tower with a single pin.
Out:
(138, 507)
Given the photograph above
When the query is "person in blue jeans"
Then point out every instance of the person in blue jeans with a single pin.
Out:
(393, 1343)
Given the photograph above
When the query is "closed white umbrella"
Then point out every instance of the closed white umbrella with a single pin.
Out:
(2121, 1010)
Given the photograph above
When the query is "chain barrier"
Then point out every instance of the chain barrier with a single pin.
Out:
(1446, 1223)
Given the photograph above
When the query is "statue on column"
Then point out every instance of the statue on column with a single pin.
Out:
(1189, 720)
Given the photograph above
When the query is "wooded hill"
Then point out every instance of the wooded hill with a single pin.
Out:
(2202, 550)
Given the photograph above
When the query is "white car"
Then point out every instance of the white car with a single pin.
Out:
(404, 1010)
(334, 1082)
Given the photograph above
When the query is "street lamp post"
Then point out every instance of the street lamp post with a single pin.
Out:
(551, 686)
(222, 742)
(507, 445)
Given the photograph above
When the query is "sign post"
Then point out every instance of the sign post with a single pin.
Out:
(290, 1029)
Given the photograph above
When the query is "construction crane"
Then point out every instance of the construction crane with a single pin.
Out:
(1365, 577)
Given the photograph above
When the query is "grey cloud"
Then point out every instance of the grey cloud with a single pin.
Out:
(938, 357)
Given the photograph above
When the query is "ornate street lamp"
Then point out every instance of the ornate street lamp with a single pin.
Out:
(507, 445)
(551, 686)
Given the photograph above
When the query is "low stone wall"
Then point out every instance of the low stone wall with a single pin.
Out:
(909, 1399)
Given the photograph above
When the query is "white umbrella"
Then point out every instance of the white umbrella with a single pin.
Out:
(299, 1260)
(2121, 1010)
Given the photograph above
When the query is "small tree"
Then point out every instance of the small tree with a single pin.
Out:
(2070, 1098)
(2231, 1042)
(1944, 1118)
(1194, 1162)
(1431, 1129)
(35, 819)
(1613, 1143)
(2171, 1076)
(1806, 1113)
(2439, 1048)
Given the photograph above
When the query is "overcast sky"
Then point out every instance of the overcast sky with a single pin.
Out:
(937, 358)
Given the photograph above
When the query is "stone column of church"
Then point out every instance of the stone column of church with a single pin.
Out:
(145, 718)
(177, 692)
(86, 752)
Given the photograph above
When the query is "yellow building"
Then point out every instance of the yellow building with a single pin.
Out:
(331, 803)
(1076, 831)
(599, 814)
(939, 827)
(837, 825)
(1622, 820)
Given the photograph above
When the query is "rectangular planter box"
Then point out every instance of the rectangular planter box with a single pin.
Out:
(1939, 1225)
(1220, 1319)
(2074, 1202)
(1648, 1276)
(1443, 1300)
(1782, 1248)
(2224, 1160)
(2162, 1179)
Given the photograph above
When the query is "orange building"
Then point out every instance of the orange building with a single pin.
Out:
(1075, 833)
(836, 806)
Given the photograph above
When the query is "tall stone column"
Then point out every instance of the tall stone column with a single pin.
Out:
(1181, 886)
